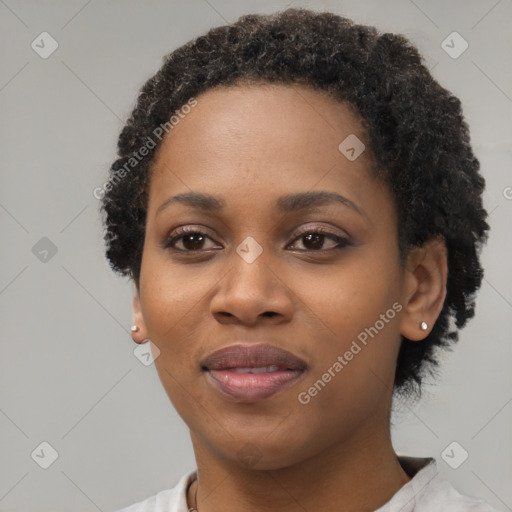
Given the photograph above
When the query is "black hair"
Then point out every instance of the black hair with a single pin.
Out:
(415, 132)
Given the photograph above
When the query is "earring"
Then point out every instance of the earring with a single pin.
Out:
(135, 328)
(423, 326)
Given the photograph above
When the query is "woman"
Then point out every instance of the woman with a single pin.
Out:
(299, 207)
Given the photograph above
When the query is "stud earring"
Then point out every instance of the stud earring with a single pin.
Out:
(135, 328)
(423, 326)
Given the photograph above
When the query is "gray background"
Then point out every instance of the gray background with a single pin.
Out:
(68, 375)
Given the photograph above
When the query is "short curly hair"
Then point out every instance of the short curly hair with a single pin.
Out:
(415, 129)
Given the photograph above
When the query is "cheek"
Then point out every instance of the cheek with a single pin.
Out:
(352, 376)
(354, 323)
(171, 297)
(173, 307)
(172, 315)
(347, 298)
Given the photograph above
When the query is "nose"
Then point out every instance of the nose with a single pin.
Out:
(251, 293)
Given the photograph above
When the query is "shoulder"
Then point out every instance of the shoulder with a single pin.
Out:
(168, 500)
(441, 496)
(428, 491)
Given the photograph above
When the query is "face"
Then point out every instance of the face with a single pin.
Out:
(295, 247)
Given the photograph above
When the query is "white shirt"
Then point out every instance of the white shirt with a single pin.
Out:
(427, 491)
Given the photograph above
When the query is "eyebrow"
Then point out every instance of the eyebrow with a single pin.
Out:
(286, 204)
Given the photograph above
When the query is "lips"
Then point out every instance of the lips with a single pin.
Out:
(247, 373)
(252, 356)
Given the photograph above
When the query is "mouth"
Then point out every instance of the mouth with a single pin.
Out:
(248, 373)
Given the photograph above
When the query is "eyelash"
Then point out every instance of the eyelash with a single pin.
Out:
(181, 232)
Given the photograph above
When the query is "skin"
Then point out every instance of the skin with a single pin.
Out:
(248, 145)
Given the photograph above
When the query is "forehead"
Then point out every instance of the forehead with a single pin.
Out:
(252, 146)
(260, 128)
(256, 113)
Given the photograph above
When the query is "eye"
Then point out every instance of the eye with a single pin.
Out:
(190, 238)
(314, 239)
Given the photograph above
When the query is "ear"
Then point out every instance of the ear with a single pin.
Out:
(141, 335)
(424, 288)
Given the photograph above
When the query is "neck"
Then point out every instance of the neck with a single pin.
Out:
(362, 477)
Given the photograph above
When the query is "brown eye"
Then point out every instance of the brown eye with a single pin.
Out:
(193, 242)
(188, 240)
(315, 240)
